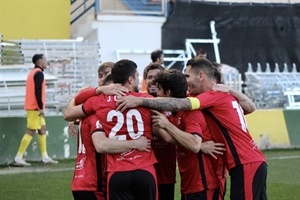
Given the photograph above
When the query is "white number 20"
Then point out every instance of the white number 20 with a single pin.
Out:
(131, 114)
(240, 113)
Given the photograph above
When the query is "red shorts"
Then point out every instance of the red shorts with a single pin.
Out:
(248, 181)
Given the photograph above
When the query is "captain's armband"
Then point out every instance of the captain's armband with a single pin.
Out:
(194, 102)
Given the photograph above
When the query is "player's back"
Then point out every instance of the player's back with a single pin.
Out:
(130, 124)
(228, 125)
(88, 174)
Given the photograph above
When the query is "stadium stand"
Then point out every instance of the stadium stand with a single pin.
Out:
(72, 65)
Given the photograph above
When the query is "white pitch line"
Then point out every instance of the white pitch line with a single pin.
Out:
(282, 157)
(19, 170)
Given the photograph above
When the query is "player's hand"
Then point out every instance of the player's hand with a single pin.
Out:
(221, 88)
(159, 120)
(72, 129)
(212, 148)
(126, 102)
(112, 89)
(42, 113)
(143, 144)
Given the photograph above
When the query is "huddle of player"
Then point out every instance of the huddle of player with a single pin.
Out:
(129, 142)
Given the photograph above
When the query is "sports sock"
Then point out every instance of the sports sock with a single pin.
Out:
(23, 145)
(42, 144)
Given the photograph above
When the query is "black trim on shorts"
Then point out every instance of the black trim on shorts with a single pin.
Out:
(99, 172)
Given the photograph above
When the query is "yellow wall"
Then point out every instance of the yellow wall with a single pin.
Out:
(268, 126)
(35, 19)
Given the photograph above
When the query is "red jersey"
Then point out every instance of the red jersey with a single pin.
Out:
(165, 154)
(89, 174)
(128, 125)
(196, 170)
(217, 164)
(228, 125)
(165, 167)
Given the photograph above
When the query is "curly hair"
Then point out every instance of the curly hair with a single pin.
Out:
(172, 80)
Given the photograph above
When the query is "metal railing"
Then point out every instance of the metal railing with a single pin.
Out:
(128, 7)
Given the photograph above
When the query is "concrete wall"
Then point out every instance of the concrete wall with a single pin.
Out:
(275, 128)
(35, 19)
(128, 33)
(59, 144)
(269, 129)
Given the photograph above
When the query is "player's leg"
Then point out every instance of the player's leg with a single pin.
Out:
(120, 186)
(237, 186)
(42, 141)
(32, 126)
(84, 195)
(194, 196)
(259, 183)
(249, 181)
(144, 185)
(166, 191)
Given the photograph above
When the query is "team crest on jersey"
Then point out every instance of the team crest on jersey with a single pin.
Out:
(98, 124)
(80, 164)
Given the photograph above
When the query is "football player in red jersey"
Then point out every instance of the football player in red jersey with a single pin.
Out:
(227, 124)
(89, 179)
(130, 171)
(165, 152)
(186, 129)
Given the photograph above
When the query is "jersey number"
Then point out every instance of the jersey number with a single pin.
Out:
(131, 115)
(240, 113)
(81, 148)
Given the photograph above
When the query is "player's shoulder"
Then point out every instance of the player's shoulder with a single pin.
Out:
(98, 99)
(213, 94)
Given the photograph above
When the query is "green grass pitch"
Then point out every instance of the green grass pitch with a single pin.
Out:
(54, 182)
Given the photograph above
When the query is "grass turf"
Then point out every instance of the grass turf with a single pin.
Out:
(54, 181)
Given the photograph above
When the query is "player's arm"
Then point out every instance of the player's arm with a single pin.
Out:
(164, 134)
(73, 112)
(38, 81)
(106, 145)
(112, 89)
(189, 141)
(164, 103)
(247, 105)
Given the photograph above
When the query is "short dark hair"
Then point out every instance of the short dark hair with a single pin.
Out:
(201, 52)
(156, 54)
(152, 66)
(36, 57)
(202, 64)
(122, 70)
(217, 73)
(172, 80)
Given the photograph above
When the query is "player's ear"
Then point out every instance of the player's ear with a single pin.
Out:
(130, 79)
(169, 93)
(201, 75)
